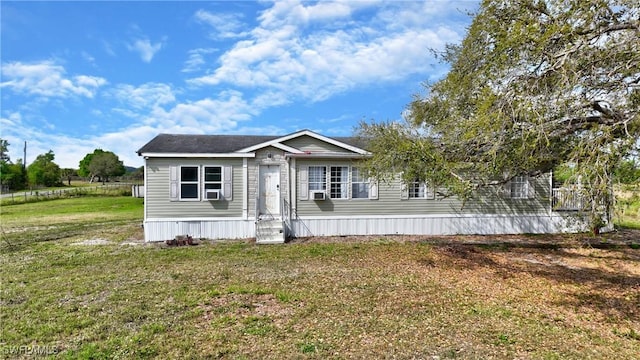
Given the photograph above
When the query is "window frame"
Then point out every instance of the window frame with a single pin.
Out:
(364, 182)
(344, 182)
(182, 182)
(519, 187)
(310, 176)
(212, 182)
(421, 187)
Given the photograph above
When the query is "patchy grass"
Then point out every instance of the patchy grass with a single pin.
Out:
(628, 209)
(63, 218)
(452, 297)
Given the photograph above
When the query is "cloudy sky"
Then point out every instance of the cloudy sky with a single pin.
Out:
(77, 76)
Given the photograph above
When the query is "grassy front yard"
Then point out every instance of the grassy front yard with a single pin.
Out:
(77, 282)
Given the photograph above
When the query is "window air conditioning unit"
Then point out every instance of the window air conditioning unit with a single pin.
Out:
(318, 195)
(213, 195)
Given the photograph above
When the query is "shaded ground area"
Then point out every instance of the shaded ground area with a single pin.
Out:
(618, 238)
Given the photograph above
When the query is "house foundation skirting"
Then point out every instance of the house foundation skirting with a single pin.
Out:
(239, 228)
(223, 228)
(437, 225)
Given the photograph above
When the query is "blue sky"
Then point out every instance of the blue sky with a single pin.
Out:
(77, 76)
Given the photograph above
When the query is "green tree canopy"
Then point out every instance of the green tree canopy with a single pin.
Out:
(4, 151)
(83, 169)
(106, 164)
(628, 172)
(43, 171)
(534, 84)
(12, 176)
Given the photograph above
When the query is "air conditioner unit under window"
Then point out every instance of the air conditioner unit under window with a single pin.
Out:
(213, 195)
(318, 195)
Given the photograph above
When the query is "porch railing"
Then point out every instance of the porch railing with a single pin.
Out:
(285, 212)
(568, 199)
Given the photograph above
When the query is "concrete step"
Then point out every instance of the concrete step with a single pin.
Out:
(269, 232)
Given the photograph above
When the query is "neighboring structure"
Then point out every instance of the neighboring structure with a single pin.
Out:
(305, 184)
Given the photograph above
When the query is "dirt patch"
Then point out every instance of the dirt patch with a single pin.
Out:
(246, 306)
(93, 242)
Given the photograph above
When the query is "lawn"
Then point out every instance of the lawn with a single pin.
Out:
(538, 298)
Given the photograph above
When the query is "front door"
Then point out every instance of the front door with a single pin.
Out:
(269, 190)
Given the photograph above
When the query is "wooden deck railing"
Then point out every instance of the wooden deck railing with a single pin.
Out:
(568, 199)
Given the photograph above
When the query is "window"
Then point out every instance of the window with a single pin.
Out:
(213, 177)
(420, 190)
(520, 187)
(339, 182)
(359, 184)
(317, 178)
(189, 182)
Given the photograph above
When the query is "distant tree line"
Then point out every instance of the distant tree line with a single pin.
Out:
(100, 165)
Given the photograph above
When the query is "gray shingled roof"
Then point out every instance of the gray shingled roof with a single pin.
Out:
(195, 144)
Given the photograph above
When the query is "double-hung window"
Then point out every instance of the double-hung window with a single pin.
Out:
(421, 190)
(213, 177)
(339, 182)
(189, 183)
(317, 178)
(520, 187)
(359, 184)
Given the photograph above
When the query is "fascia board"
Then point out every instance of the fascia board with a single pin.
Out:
(198, 155)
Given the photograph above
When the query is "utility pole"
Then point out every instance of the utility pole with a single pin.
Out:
(24, 159)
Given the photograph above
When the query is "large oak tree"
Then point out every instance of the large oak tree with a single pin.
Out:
(101, 164)
(534, 84)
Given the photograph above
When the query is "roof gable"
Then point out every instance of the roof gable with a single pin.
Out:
(333, 141)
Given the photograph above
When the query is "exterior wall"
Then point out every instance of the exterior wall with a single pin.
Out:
(390, 202)
(387, 213)
(157, 198)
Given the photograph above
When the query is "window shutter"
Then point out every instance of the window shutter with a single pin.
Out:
(531, 187)
(373, 189)
(404, 191)
(303, 175)
(174, 183)
(227, 183)
(505, 190)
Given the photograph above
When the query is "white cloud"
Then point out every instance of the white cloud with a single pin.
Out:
(144, 96)
(88, 58)
(204, 116)
(294, 12)
(225, 25)
(145, 48)
(290, 58)
(47, 79)
(196, 59)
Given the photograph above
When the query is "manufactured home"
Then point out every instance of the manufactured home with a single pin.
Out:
(305, 184)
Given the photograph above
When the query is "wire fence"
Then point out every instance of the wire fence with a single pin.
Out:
(120, 189)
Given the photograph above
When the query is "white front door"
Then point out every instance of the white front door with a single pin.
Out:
(270, 190)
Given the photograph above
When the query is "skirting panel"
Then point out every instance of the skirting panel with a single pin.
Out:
(161, 230)
(438, 225)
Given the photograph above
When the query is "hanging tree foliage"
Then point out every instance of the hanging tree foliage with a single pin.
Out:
(533, 85)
